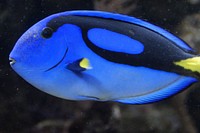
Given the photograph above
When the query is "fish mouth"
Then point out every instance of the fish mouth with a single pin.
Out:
(59, 61)
(12, 61)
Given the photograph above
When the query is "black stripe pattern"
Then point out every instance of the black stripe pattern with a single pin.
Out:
(159, 52)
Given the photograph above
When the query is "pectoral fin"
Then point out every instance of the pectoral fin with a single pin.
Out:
(79, 65)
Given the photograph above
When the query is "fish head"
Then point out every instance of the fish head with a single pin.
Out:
(38, 49)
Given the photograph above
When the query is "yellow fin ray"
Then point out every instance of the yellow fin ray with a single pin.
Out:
(85, 63)
(192, 64)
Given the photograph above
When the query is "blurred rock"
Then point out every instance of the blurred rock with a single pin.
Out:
(189, 30)
(52, 126)
(149, 119)
(98, 119)
(193, 105)
(119, 6)
(194, 1)
(163, 120)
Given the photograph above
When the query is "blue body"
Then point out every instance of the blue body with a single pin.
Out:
(107, 80)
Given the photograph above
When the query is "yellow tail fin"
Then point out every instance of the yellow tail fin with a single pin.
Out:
(192, 64)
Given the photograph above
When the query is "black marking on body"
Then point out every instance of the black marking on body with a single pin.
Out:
(159, 52)
(58, 62)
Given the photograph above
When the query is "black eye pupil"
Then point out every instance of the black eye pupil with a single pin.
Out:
(47, 32)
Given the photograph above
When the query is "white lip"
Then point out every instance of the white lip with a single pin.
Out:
(12, 61)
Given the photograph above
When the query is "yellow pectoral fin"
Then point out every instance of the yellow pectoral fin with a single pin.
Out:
(85, 63)
(192, 64)
(79, 65)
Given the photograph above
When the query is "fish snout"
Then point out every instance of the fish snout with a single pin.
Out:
(12, 61)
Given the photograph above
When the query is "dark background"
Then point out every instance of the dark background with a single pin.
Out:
(24, 109)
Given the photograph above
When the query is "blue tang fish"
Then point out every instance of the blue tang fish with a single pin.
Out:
(94, 55)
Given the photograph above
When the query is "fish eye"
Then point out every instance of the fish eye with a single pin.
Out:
(47, 32)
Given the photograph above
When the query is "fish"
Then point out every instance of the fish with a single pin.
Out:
(103, 56)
